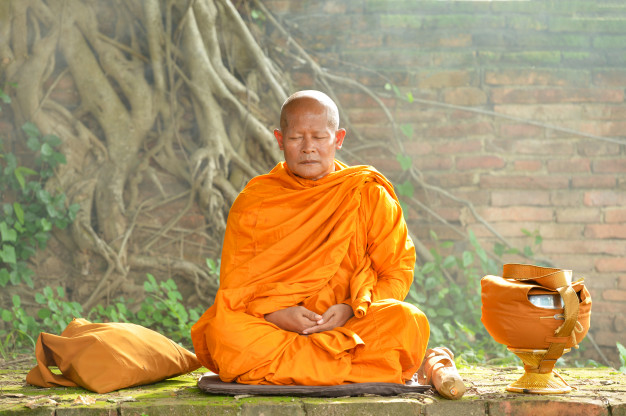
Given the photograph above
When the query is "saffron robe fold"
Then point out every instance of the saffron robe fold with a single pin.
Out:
(292, 241)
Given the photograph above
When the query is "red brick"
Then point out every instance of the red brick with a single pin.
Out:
(434, 163)
(599, 128)
(561, 231)
(385, 164)
(605, 198)
(610, 166)
(479, 162)
(532, 77)
(506, 229)
(521, 130)
(581, 264)
(508, 198)
(444, 79)
(547, 407)
(448, 213)
(460, 130)
(621, 282)
(540, 112)
(615, 215)
(572, 165)
(528, 165)
(611, 264)
(368, 116)
(617, 295)
(417, 147)
(517, 214)
(477, 197)
(535, 147)
(451, 180)
(555, 95)
(523, 182)
(596, 148)
(578, 215)
(565, 198)
(459, 146)
(362, 100)
(468, 96)
(594, 182)
(569, 246)
(610, 78)
(606, 231)
(421, 115)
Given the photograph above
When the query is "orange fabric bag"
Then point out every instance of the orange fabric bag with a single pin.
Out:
(106, 357)
(512, 320)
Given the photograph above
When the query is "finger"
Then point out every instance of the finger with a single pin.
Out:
(319, 328)
(309, 314)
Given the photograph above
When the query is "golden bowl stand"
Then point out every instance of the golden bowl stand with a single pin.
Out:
(535, 380)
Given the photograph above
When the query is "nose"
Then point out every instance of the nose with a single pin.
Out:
(308, 145)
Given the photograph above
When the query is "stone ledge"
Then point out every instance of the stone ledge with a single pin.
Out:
(600, 392)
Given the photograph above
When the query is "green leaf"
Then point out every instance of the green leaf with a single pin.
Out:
(498, 249)
(409, 97)
(8, 254)
(33, 143)
(4, 277)
(46, 150)
(528, 252)
(405, 161)
(468, 259)
(44, 313)
(388, 86)
(428, 267)
(39, 298)
(449, 261)
(45, 224)
(60, 292)
(7, 316)
(52, 140)
(407, 130)
(19, 212)
(7, 234)
(17, 302)
(406, 189)
(444, 312)
(31, 130)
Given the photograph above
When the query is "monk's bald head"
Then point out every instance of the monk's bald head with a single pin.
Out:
(309, 99)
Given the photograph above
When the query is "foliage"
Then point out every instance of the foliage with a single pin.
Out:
(27, 222)
(453, 305)
(622, 357)
(162, 310)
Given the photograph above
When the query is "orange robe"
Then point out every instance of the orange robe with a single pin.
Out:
(292, 241)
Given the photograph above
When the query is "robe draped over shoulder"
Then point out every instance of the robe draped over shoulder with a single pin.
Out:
(291, 241)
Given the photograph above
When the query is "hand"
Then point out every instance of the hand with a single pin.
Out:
(294, 319)
(336, 315)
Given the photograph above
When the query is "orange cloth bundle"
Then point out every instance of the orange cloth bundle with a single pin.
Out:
(539, 314)
(106, 357)
(292, 241)
(513, 320)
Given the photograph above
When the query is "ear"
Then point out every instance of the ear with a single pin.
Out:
(279, 138)
(339, 136)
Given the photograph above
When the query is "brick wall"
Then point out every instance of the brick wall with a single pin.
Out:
(552, 63)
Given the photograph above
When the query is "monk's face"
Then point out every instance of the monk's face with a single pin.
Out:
(308, 141)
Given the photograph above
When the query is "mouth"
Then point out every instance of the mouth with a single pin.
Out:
(308, 162)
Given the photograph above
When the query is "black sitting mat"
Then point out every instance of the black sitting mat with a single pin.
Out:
(212, 384)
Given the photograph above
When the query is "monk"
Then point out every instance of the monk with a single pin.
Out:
(315, 264)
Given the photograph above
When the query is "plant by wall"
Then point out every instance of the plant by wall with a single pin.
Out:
(29, 210)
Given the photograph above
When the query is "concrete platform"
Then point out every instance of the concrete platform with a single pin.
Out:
(599, 392)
